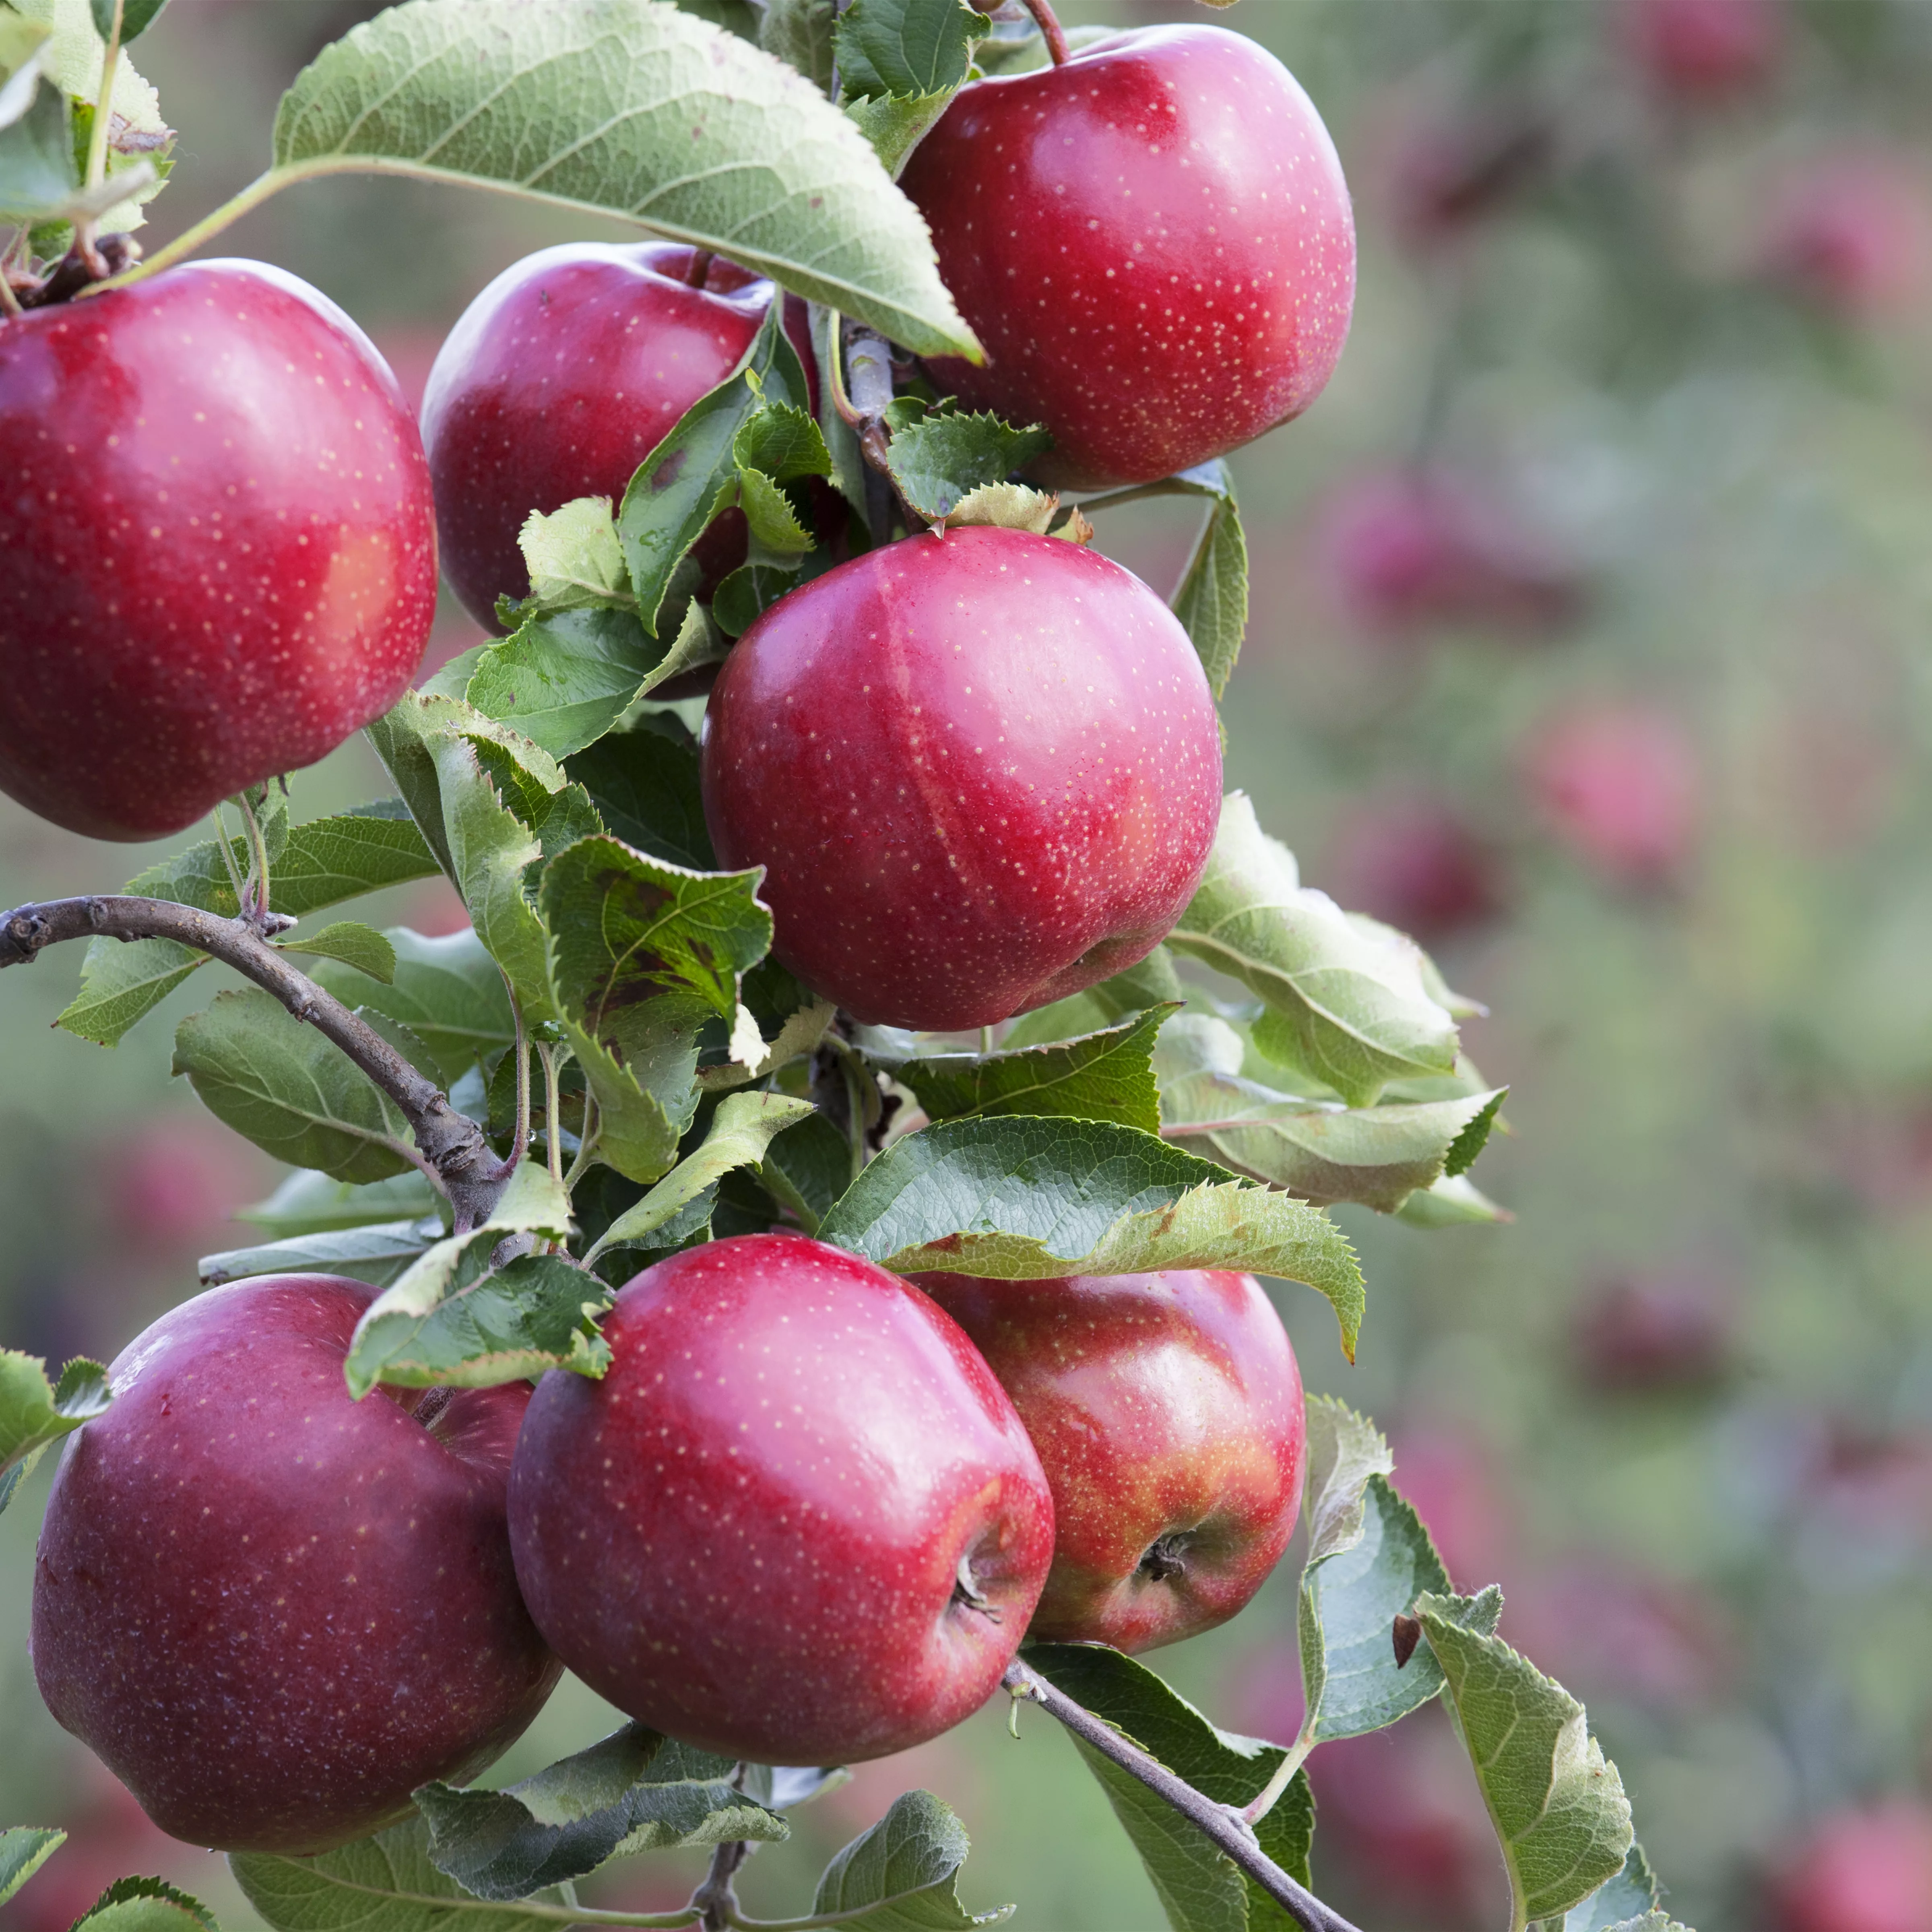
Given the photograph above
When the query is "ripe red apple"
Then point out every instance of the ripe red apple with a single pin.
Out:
(1862, 1871)
(1851, 234)
(1618, 783)
(271, 1610)
(1168, 1413)
(1154, 243)
(797, 1522)
(220, 554)
(561, 377)
(982, 771)
(1703, 50)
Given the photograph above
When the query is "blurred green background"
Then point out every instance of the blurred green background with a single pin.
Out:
(1588, 643)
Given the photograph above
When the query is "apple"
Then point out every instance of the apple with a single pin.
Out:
(1154, 243)
(1850, 234)
(1868, 1870)
(561, 376)
(1618, 783)
(1640, 1336)
(797, 1522)
(271, 1610)
(1703, 50)
(1408, 858)
(1167, 1410)
(982, 771)
(1403, 549)
(221, 547)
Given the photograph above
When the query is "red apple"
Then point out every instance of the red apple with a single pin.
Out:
(1167, 1410)
(271, 1610)
(1408, 858)
(220, 547)
(1851, 234)
(1618, 783)
(1154, 243)
(797, 1522)
(1862, 1871)
(1662, 1332)
(561, 377)
(1703, 50)
(982, 771)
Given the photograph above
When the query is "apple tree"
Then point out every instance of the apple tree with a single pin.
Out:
(791, 1259)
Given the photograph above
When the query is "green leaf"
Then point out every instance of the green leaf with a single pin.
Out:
(903, 1875)
(941, 460)
(1153, 983)
(137, 17)
(446, 990)
(1557, 1804)
(742, 1131)
(895, 124)
(574, 558)
(782, 444)
(1201, 1889)
(694, 472)
(38, 177)
(747, 593)
(377, 1253)
(644, 954)
(634, 109)
(387, 1883)
(643, 782)
(808, 1166)
(122, 982)
(294, 1093)
(1007, 506)
(1103, 1076)
(635, 1791)
(33, 1412)
(1318, 1150)
(146, 1905)
(906, 47)
(1015, 1197)
(1453, 1202)
(775, 527)
(1625, 1902)
(1351, 1597)
(753, 1056)
(1344, 1450)
(799, 32)
(352, 944)
(1212, 600)
(24, 1849)
(564, 679)
(1349, 1009)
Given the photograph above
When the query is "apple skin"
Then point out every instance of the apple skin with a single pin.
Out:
(1154, 242)
(271, 1610)
(749, 1534)
(561, 377)
(982, 770)
(221, 547)
(1167, 1412)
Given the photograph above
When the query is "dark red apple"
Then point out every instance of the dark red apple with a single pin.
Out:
(1167, 1410)
(1704, 50)
(1618, 783)
(982, 771)
(1408, 858)
(1861, 1871)
(220, 546)
(271, 1610)
(798, 1521)
(561, 377)
(1639, 1335)
(1154, 243)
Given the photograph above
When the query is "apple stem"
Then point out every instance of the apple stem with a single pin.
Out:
(453, 1148)
(258, 855)
(585, 1141)
(103, 106)
(1220, 1823)
(701, 259)
(520, 1133)
(225, 846)
(553, 1068)
(1057, 51)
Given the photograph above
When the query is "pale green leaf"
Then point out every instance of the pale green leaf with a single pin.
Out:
(564, 679)
(146, 1905)
(33, 1412)
(1453, 1202)
(1212, 600)
(377, 1253)
(446, 990)
(1557, 1803)
(121, 982)
(574, 558)
(1627, 1902)
(629, 107)
(24, 1849)
(1348, 1007)
(903, 1875)
(941, 460)
(352, 943)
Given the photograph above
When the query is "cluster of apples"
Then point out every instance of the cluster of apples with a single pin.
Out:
(806, 1517)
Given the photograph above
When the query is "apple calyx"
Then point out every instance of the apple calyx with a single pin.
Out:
(967, 1594)
(1166, 1556)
